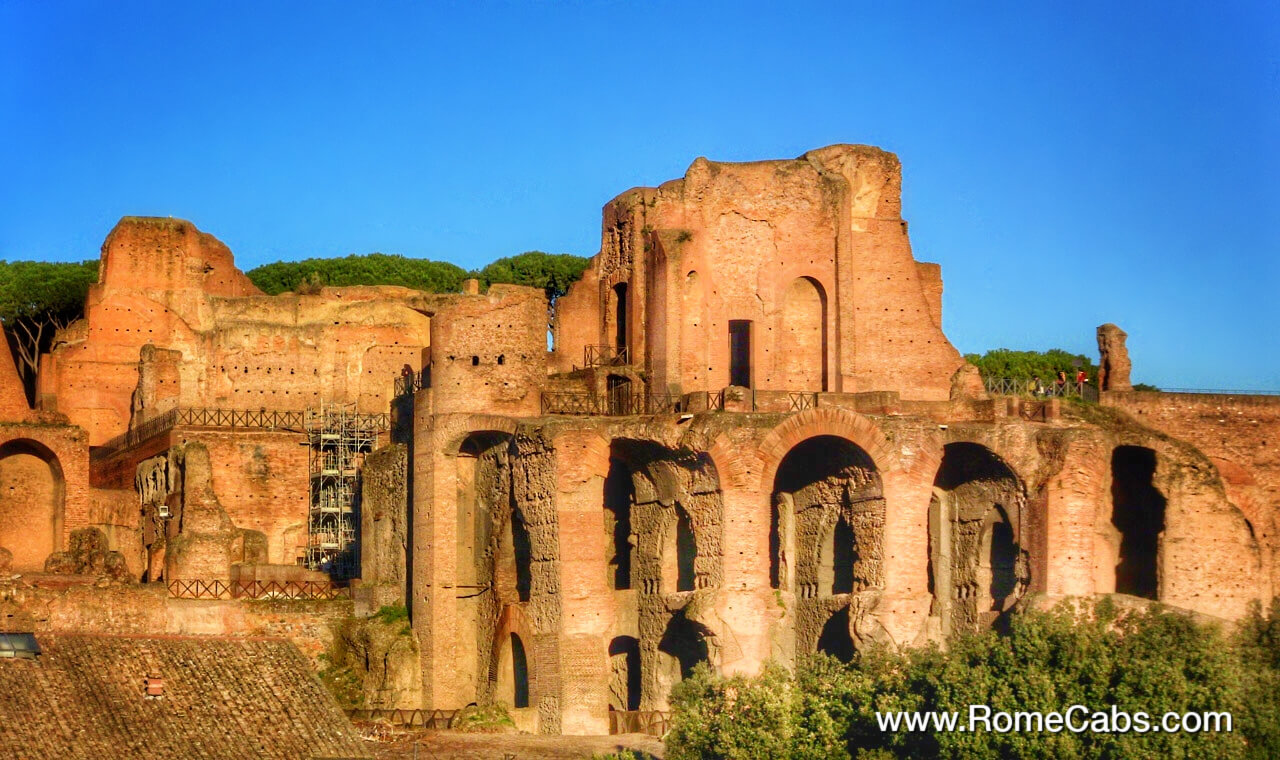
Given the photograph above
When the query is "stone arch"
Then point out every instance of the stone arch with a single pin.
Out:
(625, 681)
(811, 423)
(977, 566)
(802, 337)
(684, 644)
(513, 671)
(836, 639)
(486, 570)
(32, 502)
(1138, 513)
(827, 539)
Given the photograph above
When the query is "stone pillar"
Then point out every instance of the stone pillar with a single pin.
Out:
(904, 609)
(746, 605)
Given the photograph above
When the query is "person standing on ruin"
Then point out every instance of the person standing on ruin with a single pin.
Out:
(1061, 383)
(1037, 386)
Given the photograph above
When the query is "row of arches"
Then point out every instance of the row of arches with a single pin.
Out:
(663, 513)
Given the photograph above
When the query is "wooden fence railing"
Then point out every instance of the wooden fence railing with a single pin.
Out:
(652, 722)
(433, 719)
(217, 589)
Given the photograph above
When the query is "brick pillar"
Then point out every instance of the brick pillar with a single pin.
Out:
(1079, 559)
(746, 604)
(433, 606)
(587, 615)
(904, 609)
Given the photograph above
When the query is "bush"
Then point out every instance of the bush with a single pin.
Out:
(1155, 661)
(483, 719)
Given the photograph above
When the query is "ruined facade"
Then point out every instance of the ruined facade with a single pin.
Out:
(751, 441)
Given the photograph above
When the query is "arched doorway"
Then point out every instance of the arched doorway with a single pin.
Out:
(624, 668)
(32, 497)
(827, 526)
(977, 568)
(619, 494)
(679, 554)
(1137, 512)
(512, 686)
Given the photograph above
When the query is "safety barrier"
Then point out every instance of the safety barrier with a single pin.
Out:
(218, 589)
(431, 719)
(651, 722)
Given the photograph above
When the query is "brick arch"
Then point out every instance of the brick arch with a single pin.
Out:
(811, 423)
(582, 454)
(30, 541)
(456, 428)
(734, 464)
(513, 619)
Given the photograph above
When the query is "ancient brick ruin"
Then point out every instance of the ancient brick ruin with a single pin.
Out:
(751, 440)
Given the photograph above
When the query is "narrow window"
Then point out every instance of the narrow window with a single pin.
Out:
(740, 352)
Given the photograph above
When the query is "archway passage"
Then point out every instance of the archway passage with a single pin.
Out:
(835, 518)
(976, 566)
(802, 354)
(686, 643)
(619, 494)
(624, 681)
(836, 639)
(1137, 511)
(680, 554)
(519, 673)
(32, 491)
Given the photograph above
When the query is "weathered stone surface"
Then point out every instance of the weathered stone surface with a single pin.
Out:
(1113, 365)
(88, 554)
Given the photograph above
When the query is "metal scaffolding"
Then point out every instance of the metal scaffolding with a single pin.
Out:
(338, 438)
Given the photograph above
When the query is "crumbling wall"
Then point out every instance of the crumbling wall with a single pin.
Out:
(488, 353)
(736, 242)
(1113, 363)
(171, 311)
(384, 521)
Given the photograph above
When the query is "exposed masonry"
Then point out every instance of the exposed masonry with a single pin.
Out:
(750, 442)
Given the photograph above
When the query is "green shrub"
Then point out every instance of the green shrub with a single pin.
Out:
(1155, 661)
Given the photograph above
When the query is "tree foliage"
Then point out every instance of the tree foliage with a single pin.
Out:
(1154, 662)
(366, 269)
(553, 272)
(1025, 365)
(38, 298)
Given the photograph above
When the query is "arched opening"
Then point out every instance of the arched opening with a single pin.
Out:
(519, 673)
(836, 640)
(836, 501)
(32, 494)
(619, 494)
(679, 554)
(976, 563)
(802, 346)
(837, 559)
(998, 560)
(483, 483)
(620, 318)
(624, 668)
(740, 352)
(1137, 511)
(685, 643)
(830, 511)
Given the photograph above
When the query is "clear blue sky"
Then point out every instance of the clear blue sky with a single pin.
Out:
(1068, 163)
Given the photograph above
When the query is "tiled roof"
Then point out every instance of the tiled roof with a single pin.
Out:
(223, 699)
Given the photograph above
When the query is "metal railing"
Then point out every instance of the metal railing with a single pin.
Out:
(217, 589)
(1004, 386)
(610, 404)
(412, 382)
(651, 722)
(248, 419)
(1218, 392)
(604, 356)
(432, 719)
